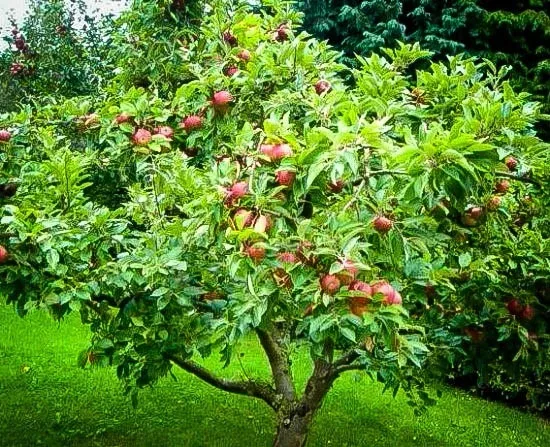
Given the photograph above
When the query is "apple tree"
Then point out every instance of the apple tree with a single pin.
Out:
(260, 197)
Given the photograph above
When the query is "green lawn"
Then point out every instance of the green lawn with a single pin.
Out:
(45, 399)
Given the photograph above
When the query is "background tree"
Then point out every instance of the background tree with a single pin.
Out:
(262, 197)
(58, 51)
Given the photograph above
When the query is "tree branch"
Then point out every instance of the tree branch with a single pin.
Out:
(346, 359)
(280, 366)
(251, 388)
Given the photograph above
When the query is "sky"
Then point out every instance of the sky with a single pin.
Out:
(17, 8)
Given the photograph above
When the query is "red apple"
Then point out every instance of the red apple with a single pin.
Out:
(165, 131)
(322, 86)
(5, 135)
(330, 284)
(141, 137)
(502, 186)
(191, 122)
(285, 177)
(255, 252)
(511, 163)
(221, 99)
(514, 307)
(244, 55)
(382, 224)
(4, 255)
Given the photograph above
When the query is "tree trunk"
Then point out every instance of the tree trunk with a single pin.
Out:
(293, 430)
(295, 424)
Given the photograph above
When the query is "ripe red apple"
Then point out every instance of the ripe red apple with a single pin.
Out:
(276, 151)
(165, 131)
(281, 151)
(285, 177)
(5, 135)
(382, 224)
(391, 296)
(16, 68)
(502, 186)
(122, 118)
(141, 137)
(471, 217)
(475, 212)
(287, 257)
(239, 189)
(282, 33)
(494, 203)
(322, 86)
(511, 163)
(191, 122)
(255, 252)
(4, 255)
(221, 99)
(528, 312)
(330, 284)
(244, 55)
(230, 70)
(337, 186)
(19, 43)
(514, 307)
(229, 38)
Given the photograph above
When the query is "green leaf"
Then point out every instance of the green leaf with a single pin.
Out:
(464, 260)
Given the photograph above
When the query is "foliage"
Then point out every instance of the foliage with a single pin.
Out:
(176, 241)
(56, 52)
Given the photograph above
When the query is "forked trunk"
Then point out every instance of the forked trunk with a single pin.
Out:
(293, 431)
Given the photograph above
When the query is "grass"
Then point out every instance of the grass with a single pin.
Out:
(45, 399)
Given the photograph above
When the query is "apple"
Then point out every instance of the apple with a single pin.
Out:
(322, 86)
(511, 163)
(330, 284)
(382, 224)
(5, 135)
(141, 137)
(502, 186)
(244, 55)
(4, 255)
(514, 307)
(337, 186)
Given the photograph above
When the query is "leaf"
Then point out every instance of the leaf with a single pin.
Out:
(464, 260)
(348, 333)
(313, 172)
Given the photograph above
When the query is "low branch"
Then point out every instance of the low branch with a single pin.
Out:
(278, 361)
(346, 359)
(7, 235)
(251, 388)
(353, 367)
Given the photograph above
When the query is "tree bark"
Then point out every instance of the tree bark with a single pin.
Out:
(293, 431)
(294, 427)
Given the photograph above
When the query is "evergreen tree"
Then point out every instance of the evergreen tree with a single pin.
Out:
(515, 33)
